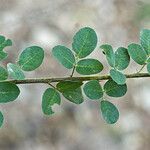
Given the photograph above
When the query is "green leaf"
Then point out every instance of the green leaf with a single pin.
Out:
(137, 53)
(31, 58)
(64, 86)
(145, 40)
(1, 119)
(50, 97)
(64, 56)
(148, 67)
(114, 90)
(84, 42)
(110, 56)
(8, 92)
(117, 76)
(74, 96)
(3, 74)
(93, 90)
(109, 112)
(4, 43)
(3, 55)
(15, 72)
(2, 39)
(89, 66)
(122, 58)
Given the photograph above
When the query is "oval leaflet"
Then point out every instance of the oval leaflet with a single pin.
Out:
(68, 85)
(8, 92)
(93, 89)
(89, 66)
(49, 98)
(64, 56)
(31, 58)
(84, 42)
(74, 96)
(137, 53)
(115, 90)
(110, 56)
(117, 76)
(109, 112)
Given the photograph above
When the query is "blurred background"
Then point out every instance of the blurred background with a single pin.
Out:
(47, 23)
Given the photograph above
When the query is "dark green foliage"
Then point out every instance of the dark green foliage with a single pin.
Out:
(108, 51)
(1, 119)
(89, 66)
(8, 92)
(64, 56)
(93, 90)
(31, 58)
(115, 90)
(137, 53)
(84, 42)
(3, 74)
(4, 43)
(145, 40)
(3, 55)
(122, 58)
(68, 85)
(109, 111)
(74, 96)
(117, 76)
(50, 97)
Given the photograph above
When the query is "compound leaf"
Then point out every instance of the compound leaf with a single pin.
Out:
(145, 40)
(117, 76)
(93, 89)
(31, 58)
(89, 66)
(1, 119)
(64, 86)
(8, 92)
(15, 72)
(49, 98)
(110, 56)
(64, 56)
(3, 74)
(122, 58)
(84, 42)
(115, 90)
(109, 112)
(74, 96)
(137, 53)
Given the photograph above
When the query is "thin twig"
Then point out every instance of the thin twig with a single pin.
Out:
(51, 85)
(73, 71)
(141, 68)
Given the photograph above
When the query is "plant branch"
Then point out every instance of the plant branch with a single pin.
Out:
(86, 78)
(73, 71)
